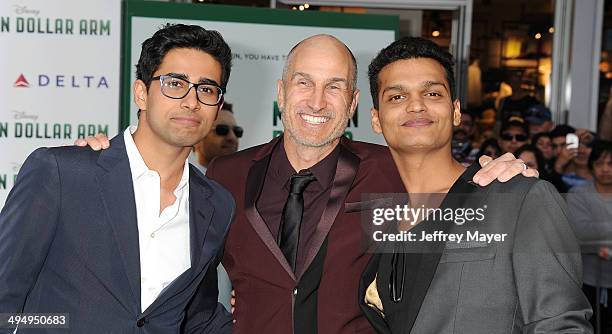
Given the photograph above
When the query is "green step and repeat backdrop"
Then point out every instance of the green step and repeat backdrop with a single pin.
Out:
(260, 39)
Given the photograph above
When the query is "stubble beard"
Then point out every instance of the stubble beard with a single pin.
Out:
(334, 135)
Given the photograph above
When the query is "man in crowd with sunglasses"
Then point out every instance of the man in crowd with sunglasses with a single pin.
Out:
(223, 139)
(127, 240)
(514, 134)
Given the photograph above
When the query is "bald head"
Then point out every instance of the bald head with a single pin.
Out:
(324, 44)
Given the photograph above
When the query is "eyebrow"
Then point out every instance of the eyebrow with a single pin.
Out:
(425, 85)
(394, 87)
(301, 74)
(183, 76)
(428, 84)
(328, 81)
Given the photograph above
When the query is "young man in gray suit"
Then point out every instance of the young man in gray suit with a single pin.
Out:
(524, 276)
(127, 240)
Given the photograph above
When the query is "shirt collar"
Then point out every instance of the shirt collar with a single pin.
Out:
(137, 165)
(324, 170)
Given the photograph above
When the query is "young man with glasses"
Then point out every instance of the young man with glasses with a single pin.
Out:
(128, 239)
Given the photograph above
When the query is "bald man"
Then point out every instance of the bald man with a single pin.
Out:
(297, 249)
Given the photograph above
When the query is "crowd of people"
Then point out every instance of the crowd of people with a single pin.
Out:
(578, 162)
(530, 135)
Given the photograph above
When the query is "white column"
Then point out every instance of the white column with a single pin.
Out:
(584, 65)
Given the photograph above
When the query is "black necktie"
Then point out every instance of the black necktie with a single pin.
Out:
(289, 231)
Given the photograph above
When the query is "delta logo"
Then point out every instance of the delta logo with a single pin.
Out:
(22, 82)
(64, 81)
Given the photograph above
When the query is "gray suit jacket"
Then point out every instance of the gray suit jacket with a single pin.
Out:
(529, 283)
(69, 244)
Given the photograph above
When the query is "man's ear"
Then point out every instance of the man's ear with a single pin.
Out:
(280, 94)
(354, 102)
(140, 94)
(456, 113)
(375, 121)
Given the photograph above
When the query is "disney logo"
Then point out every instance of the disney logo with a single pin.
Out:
(20, 9)
(23, 115)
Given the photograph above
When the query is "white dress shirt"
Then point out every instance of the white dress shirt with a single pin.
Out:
(163, 238)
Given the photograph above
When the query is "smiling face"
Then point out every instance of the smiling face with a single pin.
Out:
(416, 111)
(316, 97)
(178, 122)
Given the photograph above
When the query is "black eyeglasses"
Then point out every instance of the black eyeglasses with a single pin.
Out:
(518, 137)
(176, 88)
(224, 129)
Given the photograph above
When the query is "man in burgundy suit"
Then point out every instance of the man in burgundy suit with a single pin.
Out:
(297, 248)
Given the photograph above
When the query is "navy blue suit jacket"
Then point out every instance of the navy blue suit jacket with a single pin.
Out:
(69, 244)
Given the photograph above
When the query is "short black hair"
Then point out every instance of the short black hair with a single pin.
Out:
(561, 130)
(410, 48)
(173, 36)
(600, 148)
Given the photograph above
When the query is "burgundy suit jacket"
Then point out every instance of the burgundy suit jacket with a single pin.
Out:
(263, 281)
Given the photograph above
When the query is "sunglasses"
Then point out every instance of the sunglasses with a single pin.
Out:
(507, 136)
(223, 130)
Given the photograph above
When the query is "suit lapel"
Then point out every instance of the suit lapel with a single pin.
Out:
(423, 264)
(255, 181)
(346, 169)
(116, 187)
(201, 212)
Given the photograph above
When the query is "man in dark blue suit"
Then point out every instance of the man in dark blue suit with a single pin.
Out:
(127, 240)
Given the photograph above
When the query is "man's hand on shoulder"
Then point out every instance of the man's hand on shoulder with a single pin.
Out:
(97, 142)
(502, 169)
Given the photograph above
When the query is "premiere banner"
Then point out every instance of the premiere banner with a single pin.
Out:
(59, 75)
(260, 39)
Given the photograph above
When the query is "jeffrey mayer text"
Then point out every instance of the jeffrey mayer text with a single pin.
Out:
(440, 236)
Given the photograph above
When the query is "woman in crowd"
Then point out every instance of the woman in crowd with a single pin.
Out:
(590, 208)
(531, 156)
(572, 164)
(489, 147)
